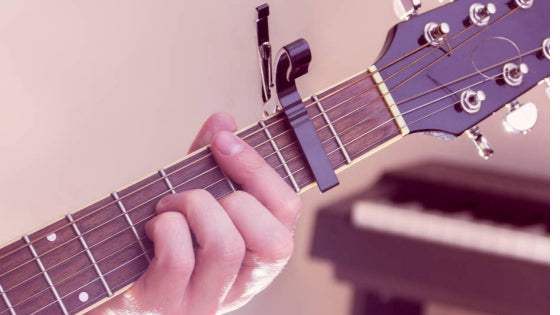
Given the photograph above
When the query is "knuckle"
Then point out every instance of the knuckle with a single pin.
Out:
(195, 198)
(179, 265)
(229, 250)
(238, 197)
(293, 206)
(250, 163)
(281, 247)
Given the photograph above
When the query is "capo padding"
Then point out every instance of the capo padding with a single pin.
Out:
(293, 63)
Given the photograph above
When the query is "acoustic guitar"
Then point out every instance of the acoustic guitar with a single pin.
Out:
(439, 73)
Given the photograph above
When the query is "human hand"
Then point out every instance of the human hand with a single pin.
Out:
(242, 240)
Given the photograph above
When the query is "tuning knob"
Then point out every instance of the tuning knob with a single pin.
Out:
(513, 74)
(480, 141)
(546, 48)
(404, 9)
(524, 4)
(471, 101)
(435, 33)
(521, 118)
(480, 14)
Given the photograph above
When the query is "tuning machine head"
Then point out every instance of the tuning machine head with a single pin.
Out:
(471, 101)
(405, 9)
(435, 33)
(480, 14)
(524, 4)
(480, 142)
(521, 118)
(513, 74)
(546, 48)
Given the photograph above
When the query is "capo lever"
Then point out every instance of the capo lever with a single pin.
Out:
(264, 49)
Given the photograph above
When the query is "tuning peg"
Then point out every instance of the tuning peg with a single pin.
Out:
(521, 117)
(480, 141)
(479, 14)
(513, 74)
(435, 33)
(471, 101)
(546, 48)
(524, 4)
(404, 9)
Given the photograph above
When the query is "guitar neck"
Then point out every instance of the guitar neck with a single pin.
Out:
(79, 261)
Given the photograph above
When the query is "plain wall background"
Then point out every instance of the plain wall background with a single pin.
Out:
(96, 94)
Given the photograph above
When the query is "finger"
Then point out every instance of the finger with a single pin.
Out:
(163, 285)
(215, 123)
(269, 246)
(246, 167)
(220, 248)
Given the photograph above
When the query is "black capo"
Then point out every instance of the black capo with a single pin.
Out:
(293, 63)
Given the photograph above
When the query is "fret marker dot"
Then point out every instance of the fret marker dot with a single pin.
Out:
(51, 237)
(83, 296)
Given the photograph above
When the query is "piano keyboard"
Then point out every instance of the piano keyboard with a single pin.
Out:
(453, 229)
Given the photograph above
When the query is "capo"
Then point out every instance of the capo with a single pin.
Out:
(293, 62)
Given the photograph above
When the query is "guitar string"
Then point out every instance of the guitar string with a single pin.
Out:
(284, 147)
(277, 121)
(97, 279)
(78, 272)
(292, 143)
(335, 105)
(134, 242)
(452, 104)
(461, 89)
(311, 104)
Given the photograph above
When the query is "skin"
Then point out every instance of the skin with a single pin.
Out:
(242, 241)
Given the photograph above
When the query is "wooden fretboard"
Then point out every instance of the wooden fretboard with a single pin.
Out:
(90, 255)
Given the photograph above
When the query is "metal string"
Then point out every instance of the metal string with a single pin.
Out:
(111, 271)
(349, 128)
(391, 135)
(79, 271)
(222, 179)
(421, 106)
(273, 123)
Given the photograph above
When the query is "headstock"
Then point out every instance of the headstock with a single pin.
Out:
(452, 67)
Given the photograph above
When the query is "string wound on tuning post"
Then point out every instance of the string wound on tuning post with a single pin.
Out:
(495, 77)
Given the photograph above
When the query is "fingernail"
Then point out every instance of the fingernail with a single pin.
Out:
(227, 143)
(163, 202)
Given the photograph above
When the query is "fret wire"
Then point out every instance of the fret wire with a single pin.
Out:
(89, 254)
(331, 127)
(228, 180)
(7, 301)
(127, 217)
(344, 87)
(90, 282)
(86, 267)
(125, 281)
(167, 181)
(45, 274)
(279, 154)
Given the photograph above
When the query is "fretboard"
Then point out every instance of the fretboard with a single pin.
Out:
(90, 255)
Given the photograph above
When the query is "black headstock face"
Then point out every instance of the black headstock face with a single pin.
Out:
(430, 83)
